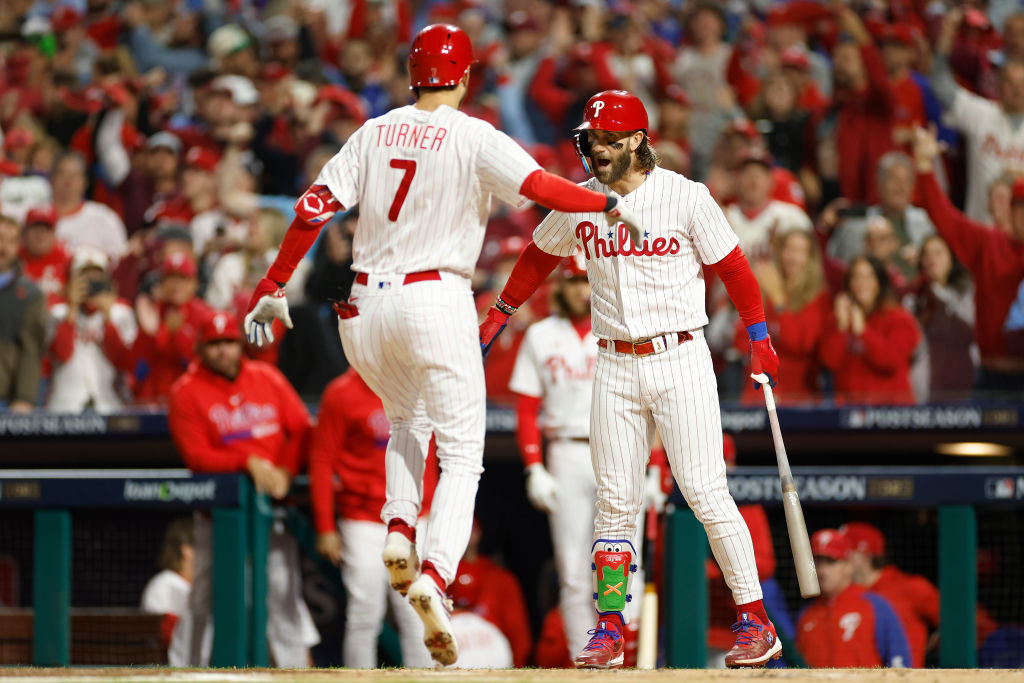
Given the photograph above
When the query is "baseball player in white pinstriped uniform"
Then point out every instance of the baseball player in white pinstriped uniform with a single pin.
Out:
(653, 367)
(423, 176)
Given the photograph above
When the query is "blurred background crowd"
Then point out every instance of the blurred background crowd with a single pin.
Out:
(151, 152)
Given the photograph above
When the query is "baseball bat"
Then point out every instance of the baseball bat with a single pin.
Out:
(806, 574)
(647, 642)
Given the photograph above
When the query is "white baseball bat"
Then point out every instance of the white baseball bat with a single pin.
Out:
(806, 574)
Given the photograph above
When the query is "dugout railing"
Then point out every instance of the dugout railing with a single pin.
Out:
(950, 497)
(240, 518)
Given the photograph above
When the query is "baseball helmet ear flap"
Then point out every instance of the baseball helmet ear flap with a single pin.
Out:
(582, 142)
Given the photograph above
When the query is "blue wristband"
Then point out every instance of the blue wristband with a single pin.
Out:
(757, 331)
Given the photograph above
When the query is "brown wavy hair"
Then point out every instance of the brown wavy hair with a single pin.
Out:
(811, 282)
(646, 156)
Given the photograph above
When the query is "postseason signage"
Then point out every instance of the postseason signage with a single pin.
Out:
(913, 486)
(168, 489)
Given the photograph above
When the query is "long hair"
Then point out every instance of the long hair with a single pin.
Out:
(646, 156)
(885, 293)
(802, 289)
(959, 278)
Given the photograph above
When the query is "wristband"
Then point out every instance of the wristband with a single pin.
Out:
(505, 308)
(610, 203)
(757, 331)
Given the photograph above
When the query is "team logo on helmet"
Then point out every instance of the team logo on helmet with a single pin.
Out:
(598, 106)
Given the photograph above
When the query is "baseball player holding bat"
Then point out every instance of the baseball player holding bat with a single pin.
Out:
(423, 176)
(653, 367)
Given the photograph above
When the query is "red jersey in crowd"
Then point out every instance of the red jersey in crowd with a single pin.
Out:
(874, 367)
(854, 629)
(491, 591)
(864, 130)
(996, 262)
(217, 423)
(796, 336)
(167, 353)
(50, 272)
(348, 445)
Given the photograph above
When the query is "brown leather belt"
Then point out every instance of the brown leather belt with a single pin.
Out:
(645, 347)
(363, 278)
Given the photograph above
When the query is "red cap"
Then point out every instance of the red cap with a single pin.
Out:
(830, 543)
(743, 127)
(219, 326)
(677, 94)
(614, 110)
(346, 100)
(41, 216)
(795, 57)
(202, 158)
(896, 33)
(574, 266)
(440, 56)
(729, 448)
(511, 247)
(755, 155)
(63, 18)
(179, 263)
(865, 538)
(1017, 191)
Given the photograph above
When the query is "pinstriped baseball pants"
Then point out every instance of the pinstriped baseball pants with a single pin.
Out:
(417, 347)
(676, 392)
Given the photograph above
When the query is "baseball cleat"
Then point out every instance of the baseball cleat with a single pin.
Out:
(402, 563)
(606, 649)
(756, 643)
(434, 608)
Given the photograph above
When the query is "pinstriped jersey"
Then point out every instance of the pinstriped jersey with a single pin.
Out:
(423, 181)
(642, 291)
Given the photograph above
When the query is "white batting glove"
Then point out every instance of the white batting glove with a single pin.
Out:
(621, 213)
(541, 488)
(267, 303)
(654, 496)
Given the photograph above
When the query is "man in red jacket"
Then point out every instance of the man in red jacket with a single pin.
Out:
(230, 414)
(847, 626)
(995, 259)
(346, 477)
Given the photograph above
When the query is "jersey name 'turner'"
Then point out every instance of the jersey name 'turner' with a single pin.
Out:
(404, 135)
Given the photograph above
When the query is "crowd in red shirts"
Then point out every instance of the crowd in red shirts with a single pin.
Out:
(173, 139)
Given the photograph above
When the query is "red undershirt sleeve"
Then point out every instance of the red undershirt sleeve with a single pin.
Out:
(532, 268)
(742, 286)
(528, 429)
(560, 194)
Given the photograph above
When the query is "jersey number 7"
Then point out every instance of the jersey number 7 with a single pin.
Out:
(408, 167)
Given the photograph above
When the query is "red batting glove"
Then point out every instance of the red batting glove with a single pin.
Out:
(764, 359)
(490, 328)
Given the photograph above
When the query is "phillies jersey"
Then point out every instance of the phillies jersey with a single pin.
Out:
(757, 229)
(217, 423)
(995, 145)
(50, 271)
(349, 441)
(556, 364)
(423, 181)
(854, 629)
(641, 291)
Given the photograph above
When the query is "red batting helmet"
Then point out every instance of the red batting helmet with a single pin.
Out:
(614, 110)
(440, 56)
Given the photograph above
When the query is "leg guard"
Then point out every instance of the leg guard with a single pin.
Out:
(613, 563)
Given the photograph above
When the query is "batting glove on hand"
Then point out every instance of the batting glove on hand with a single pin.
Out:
(619, 213)
(267, 303)
(654, 496)
(763, 359)
(541, 488)
(490, 328)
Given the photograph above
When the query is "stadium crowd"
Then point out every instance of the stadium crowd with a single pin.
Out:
(151, 153)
